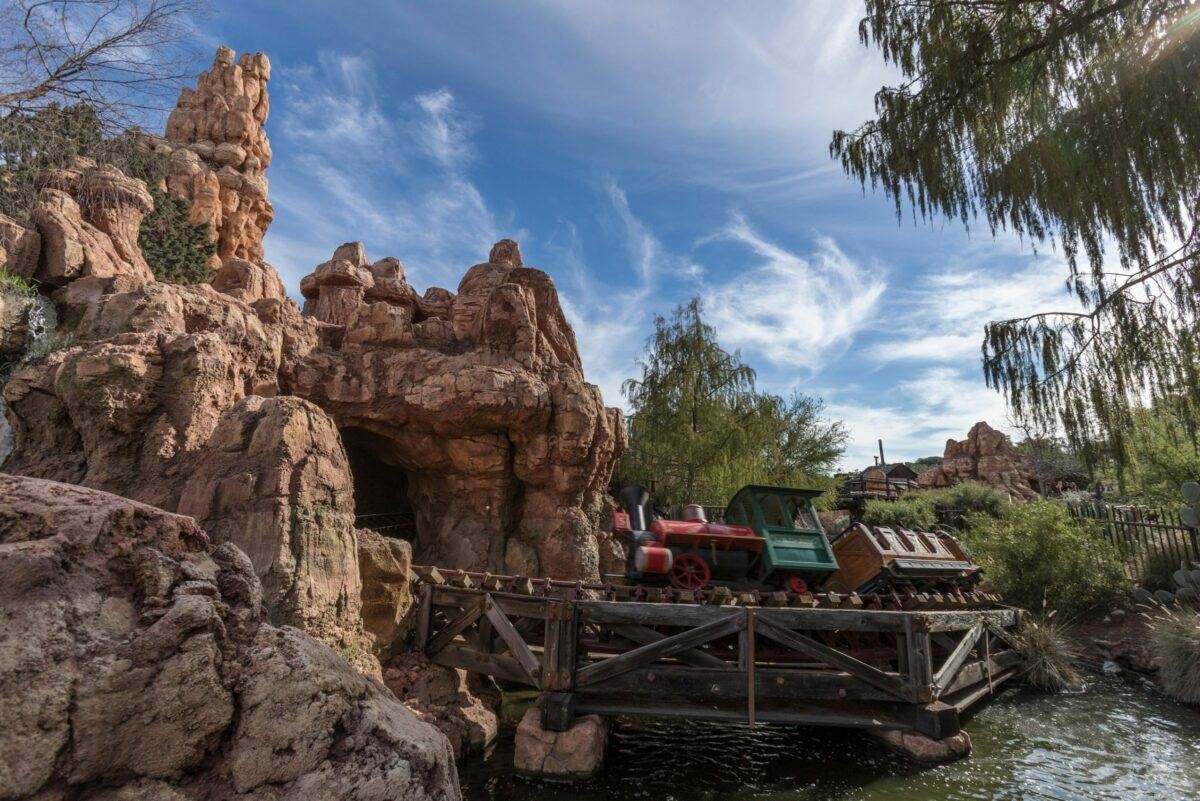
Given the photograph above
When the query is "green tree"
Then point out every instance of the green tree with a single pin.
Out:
(699, 429)
(176, 249)
(1075, 122)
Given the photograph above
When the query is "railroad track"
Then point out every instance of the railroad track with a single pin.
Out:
(893, 600)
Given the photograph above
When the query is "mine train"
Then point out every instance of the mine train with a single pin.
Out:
(771, 538)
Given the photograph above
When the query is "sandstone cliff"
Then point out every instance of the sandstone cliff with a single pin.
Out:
(219, 153)
(987, 456)
(136, 662)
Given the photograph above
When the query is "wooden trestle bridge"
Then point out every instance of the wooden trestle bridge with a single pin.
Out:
(812, 659)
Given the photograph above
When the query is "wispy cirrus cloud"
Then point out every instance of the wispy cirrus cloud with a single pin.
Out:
(391, 172)
(795, 310)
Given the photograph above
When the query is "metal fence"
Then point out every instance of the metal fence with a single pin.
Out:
(1151, 540)
(402, 525)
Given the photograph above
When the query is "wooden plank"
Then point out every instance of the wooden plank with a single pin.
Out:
(670, 683)
(454, 628)
(648, 614)
(429, 575)
(1006, 637)
(840, 714)
(512, 605)
(956, 658)
(424, 618)
(974, 672)
(669, 646)
(860, 670)
(498, 665)
(961, 621)
(920, 662)
(645, 636)
(512, 639)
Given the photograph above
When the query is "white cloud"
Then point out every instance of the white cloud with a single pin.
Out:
(396, 179)
(794, 310)
(915, 416)
(941, 319)
(445, 133)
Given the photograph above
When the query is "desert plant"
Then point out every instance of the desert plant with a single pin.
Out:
(1050, 656)
(1175, 640)
(1038, 557)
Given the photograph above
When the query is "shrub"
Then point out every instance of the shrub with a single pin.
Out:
(911, 510)
(923, 508)
(1049, 655)
(16, 283)
(176, 249)
(1175, 640)
(1039, 557)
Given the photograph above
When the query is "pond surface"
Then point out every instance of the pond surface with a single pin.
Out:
(1119, 740)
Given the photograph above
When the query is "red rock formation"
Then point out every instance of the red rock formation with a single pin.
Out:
(138, 664)
(987, 456)
(219, 153)
(479, 397)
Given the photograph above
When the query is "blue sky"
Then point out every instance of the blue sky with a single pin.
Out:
(641, 153)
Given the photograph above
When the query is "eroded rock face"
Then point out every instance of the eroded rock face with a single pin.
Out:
(136, 661)
(987, 456)
(479, 397)
(160, 397)
(219, 153)
(461, 705)
(84, 224)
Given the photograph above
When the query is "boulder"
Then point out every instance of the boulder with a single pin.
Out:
(986, 456)
(384, 564)
(137, 662)
(577, 753)
(462, 705)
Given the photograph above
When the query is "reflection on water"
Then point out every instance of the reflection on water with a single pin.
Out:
(1120, 741)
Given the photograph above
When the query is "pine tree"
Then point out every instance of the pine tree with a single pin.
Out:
(699, 429)
(176, 249)
(1075, 122)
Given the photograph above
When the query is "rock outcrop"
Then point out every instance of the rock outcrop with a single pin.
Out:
(84, 224)
(461, 705)
(987, 456)
(162, 395)
(478, 397)
(219, 153)
(136, 662)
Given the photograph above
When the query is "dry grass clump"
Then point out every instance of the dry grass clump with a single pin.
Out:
(1175, 637)
(1049, 655)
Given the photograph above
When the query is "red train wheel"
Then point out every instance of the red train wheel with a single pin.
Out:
(797, 584)
(690, 572)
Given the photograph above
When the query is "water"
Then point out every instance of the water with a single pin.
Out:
(40, 320)
(1116, 740)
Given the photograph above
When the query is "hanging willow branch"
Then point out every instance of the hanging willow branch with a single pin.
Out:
(1070, 121)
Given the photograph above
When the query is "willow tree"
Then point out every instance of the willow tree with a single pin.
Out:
(699, 428)
(1075, 122)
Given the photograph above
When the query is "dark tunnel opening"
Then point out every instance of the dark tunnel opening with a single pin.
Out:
(381, 501)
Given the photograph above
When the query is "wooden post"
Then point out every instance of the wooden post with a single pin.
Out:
(424, 617)
(920, 660)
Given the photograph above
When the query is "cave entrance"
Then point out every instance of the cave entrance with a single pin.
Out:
(381, 500)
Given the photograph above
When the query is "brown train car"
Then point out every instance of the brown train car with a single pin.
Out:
(878, 557)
